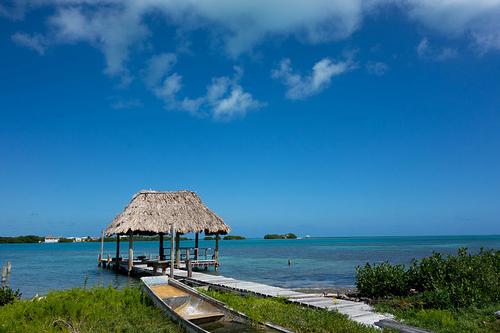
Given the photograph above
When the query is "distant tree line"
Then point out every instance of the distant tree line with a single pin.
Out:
(38, 239)
(22, 239)
(67, 240)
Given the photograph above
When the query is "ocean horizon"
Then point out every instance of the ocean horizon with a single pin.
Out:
(316, 262)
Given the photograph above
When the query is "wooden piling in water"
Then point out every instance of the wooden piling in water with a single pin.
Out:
(4, 275)
(9, 267)
(101, 254)
(216, 255)
(130, 252)
(117, 264)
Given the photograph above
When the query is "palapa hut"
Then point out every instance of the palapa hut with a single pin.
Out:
(160, 213)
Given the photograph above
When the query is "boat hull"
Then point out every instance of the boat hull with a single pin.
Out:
(197, 312)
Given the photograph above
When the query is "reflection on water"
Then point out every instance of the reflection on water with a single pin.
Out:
(316, 262)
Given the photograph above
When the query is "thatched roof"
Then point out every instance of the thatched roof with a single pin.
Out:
(153, 212)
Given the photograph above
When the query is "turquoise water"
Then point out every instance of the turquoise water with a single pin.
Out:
(316, 262)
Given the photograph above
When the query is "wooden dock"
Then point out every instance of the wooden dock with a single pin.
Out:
(357, 311)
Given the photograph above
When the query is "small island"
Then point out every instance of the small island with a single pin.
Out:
(233, 237)
(278, 236)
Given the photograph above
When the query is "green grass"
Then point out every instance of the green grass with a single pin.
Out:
(291, 316)
(93, 310)
(109, 310)
(465, 320)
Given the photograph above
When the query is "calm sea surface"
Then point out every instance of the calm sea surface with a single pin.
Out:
(316, 262)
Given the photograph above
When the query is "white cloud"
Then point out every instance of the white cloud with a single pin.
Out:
(299, 86)
(487, 42)
(119, 29)
(114, 29)
(227, 98)
(478, 19)
(36, 42)
(453, 16)
(425, 51)
(169, 88)
(117, 26)
(377, 68)
(423, 47)
(224, 99)
(157, 67)
(114, 25)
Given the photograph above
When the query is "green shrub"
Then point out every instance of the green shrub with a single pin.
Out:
(7, 295)
(438, 281)
(382, 280)
(457, 281)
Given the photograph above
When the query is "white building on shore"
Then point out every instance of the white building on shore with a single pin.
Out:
(51, 239)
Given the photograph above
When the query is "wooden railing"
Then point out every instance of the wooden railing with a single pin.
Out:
(204, 253)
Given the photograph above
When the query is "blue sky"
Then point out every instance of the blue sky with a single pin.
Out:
(328, 118)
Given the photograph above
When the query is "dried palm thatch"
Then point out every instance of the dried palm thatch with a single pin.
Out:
(153, 212)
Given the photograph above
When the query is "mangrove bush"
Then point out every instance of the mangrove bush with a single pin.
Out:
(7, 295)
(452, 281)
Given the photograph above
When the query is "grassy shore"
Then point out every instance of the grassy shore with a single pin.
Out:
(291, 316)
(109, 310)
(93, 310)
(464, 320)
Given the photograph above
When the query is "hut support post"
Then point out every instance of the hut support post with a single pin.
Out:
(130, 252)
(196, 238)
(172, 235)
(101, 255)
(188, 264)
(161, 253)
(117, 252)
(178, 250)
(216, 255)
